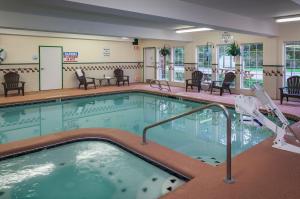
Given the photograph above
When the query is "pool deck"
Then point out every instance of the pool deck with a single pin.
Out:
(261, 172)
(291, 109)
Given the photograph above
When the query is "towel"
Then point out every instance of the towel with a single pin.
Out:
(79, 72)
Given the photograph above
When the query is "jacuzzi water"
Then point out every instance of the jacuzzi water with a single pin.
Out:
(83, 170)
(201, 135)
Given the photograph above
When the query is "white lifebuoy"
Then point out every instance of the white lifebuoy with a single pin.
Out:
(2, 55)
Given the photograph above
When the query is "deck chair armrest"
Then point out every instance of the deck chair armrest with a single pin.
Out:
(187, 80)
(93, 78)
(126, 76)
(282, 89)
(215, 81)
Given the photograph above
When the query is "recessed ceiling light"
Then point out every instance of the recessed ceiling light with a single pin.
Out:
(125, 38)
(288, 19)
(193, 30)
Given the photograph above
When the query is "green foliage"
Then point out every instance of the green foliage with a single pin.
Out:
(165, 51)
(234, 50)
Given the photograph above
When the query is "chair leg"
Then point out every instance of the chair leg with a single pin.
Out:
(18, 91)
(23, 91)
(5, 93)
(229, 90)
(287, 98)
(128, 82)
(199, 88)
(211, 89)
(85, 86)
(281, 99)
(221, 91)
(123, 83)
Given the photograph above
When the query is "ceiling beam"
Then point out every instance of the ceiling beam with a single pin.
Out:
(185, 12)
(14, 20)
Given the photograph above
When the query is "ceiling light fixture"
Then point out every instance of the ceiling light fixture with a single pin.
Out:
(288, 19)
(193, 30)
(124, 38)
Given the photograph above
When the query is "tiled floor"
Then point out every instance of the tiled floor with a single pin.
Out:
(261, 172)
(290, 108)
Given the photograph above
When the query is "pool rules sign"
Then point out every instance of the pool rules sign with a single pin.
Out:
(70, 56)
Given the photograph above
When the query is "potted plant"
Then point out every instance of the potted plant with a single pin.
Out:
(164, 52)
(234, 50)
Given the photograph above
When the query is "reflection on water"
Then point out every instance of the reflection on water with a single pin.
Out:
(202, 133)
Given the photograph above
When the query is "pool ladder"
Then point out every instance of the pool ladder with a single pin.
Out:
(228, 179)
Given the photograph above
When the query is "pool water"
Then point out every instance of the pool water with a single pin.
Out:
(83, 170)
(201, 135)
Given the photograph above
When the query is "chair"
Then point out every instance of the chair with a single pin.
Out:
(83, 80)
(228, 80)
(12, 82)
(292, 89)
(120, 77)
(195, 81)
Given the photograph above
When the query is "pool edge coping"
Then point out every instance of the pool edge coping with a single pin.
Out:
(290, 116)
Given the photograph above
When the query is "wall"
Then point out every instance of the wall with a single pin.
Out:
(272, 55)
(21, 49)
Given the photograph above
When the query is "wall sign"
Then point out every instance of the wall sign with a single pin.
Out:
(106, 52)
(70, 56)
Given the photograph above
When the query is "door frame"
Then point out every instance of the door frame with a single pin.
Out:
(155, 64)
(62, 64)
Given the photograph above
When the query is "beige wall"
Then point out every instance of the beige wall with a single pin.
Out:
(272, 55)
(21, 49)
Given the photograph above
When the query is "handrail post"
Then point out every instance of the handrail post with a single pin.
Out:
(228, 179)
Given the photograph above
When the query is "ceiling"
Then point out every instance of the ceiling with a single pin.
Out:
(261, 9)
(87, 13)
(143, 18)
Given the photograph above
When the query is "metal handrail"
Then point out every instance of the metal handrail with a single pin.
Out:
(228, 179)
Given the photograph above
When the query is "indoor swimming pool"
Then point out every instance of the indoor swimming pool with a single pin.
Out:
(201, 135)
(85, 169)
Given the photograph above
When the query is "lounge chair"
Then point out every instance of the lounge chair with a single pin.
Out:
(291, 90)
(83, 80)
(120, 77)
(195, 81)
(225, 84)
(12, 82)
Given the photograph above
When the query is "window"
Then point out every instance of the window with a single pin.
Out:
(252, 64)
(178, 60)
(225, 62)
(292, 59)
(204, 57)
(163, 69)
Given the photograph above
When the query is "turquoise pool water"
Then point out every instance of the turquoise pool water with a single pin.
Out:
(83, 170)
(201, 135)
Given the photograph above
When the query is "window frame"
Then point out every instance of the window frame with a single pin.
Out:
(294, 60)
(249, 59)
(173, 54)
(205, 65)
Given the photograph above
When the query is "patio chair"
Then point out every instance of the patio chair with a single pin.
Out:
(225, 84)
(83, 80)
(195, 81)
(291, 90)
(120, 77)
(12, 82)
